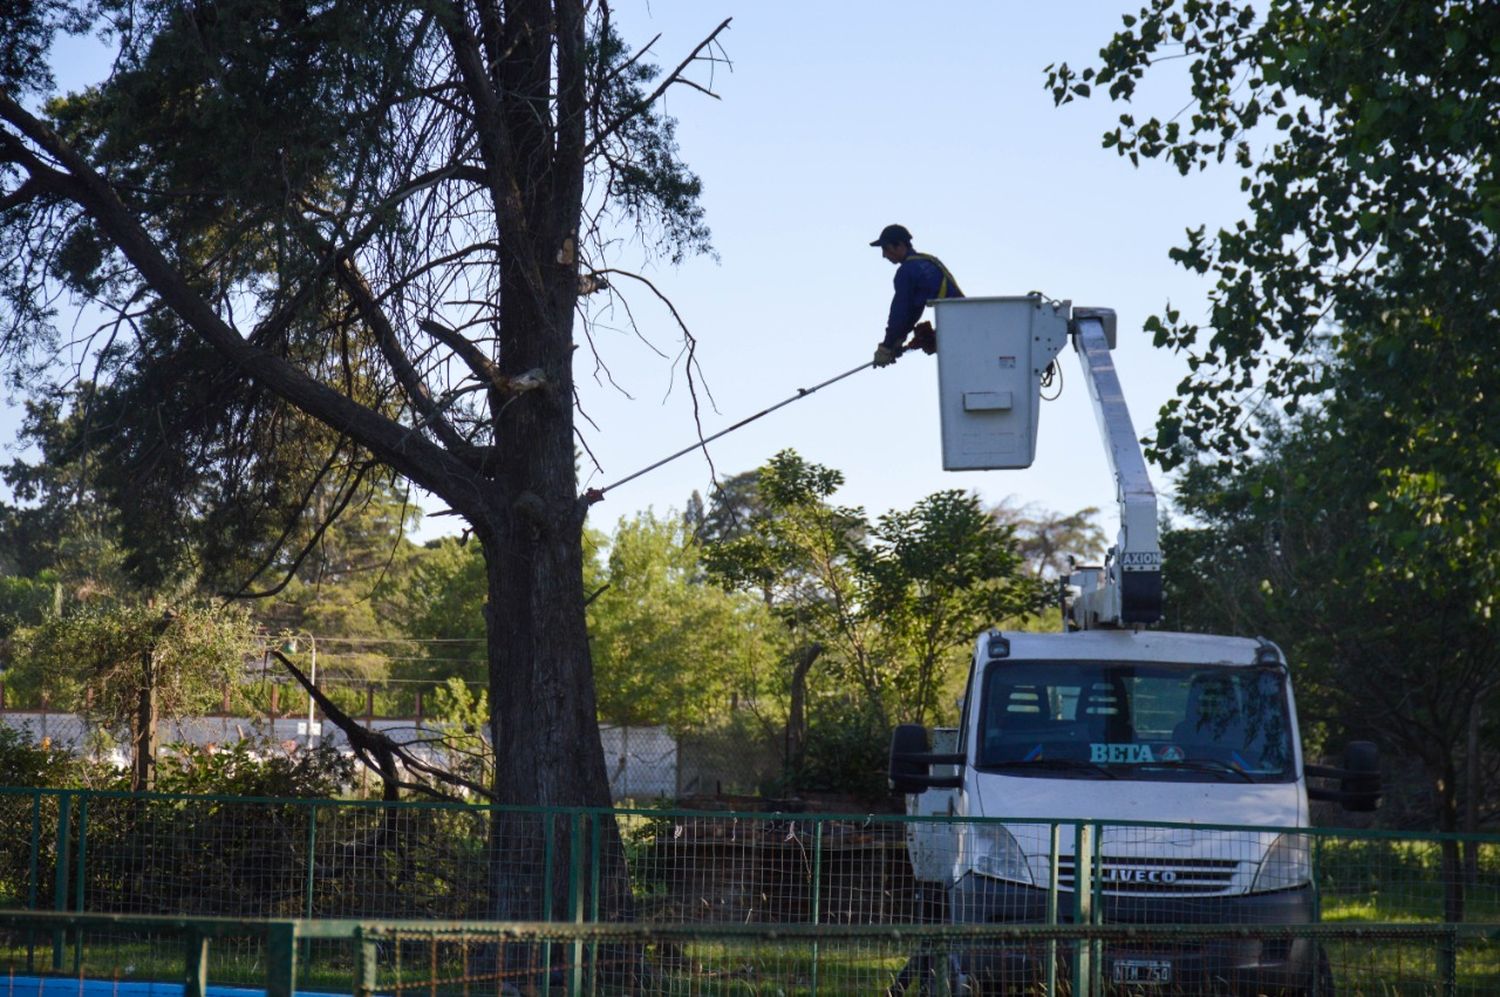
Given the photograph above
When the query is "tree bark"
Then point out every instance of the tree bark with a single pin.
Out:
(143, 729)
(1452, 864)
(1471, 798)
(796, 719)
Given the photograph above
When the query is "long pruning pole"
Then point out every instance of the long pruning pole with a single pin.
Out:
(597, 494)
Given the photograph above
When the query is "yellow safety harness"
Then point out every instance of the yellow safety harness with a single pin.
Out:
(949, 287)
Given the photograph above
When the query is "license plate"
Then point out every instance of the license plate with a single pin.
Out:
(1147, 971)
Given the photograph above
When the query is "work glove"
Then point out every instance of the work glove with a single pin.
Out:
(885, 356)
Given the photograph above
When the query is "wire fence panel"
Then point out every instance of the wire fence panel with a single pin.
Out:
(28, 856)
(1393, 877)
(771, 869)
(264, 858)
(193, 856)
(47, 953)
(396, 861)
(52, 729)
(51, 955)
(867, 959)
(367, 860)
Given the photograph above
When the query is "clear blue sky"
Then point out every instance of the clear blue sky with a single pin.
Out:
(835, 120)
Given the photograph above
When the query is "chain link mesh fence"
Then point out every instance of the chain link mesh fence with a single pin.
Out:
(645, 763)
(95, 956)
(1321, 905)
(114, 852)
(51, 955)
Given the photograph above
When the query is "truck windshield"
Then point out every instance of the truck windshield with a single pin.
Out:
(1208, 723)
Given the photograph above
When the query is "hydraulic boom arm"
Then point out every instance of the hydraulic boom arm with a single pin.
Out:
(1126, 590)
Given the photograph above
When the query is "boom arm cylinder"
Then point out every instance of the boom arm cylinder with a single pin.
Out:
(1127, 590)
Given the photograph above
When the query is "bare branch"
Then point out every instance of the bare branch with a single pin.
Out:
(377, 750)
(347, 491)
(481, 366)
(673, 77)
(390, 347)
(29, 190)
(494, 139)
(687, 334)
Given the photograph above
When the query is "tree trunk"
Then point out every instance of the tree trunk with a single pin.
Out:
(1452, 866)
(143, 730)
(1471, 799)
(544, 722)
(796, 717)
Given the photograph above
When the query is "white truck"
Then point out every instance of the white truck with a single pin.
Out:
(1079, 756)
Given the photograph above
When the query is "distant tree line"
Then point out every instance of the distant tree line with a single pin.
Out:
(768, 613)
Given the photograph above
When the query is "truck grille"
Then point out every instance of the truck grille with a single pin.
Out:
(1130, 875)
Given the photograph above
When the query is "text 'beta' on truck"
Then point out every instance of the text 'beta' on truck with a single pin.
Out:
(1075, 752)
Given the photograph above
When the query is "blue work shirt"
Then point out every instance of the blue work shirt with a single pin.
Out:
(919, 279)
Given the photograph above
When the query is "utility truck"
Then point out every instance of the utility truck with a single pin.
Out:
(1109, 773)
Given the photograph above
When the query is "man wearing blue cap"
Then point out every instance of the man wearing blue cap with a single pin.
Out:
(920, 278)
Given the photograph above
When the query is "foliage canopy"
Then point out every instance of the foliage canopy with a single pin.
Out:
(339, 242)
(1368, 131)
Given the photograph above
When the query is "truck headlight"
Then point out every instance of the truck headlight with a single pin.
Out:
(1286, 865)
(997, 854)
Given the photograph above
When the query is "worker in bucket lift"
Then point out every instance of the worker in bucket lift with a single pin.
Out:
(920, 278)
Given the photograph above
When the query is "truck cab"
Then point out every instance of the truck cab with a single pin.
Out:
(1180, 752)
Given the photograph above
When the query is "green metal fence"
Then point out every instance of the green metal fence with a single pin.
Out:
(238, 857)
(457, 959)
(798, 902)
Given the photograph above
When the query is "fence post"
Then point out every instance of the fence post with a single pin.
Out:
(575, 901)
(34, 867)
(575, 870)
(596, 830)
(61, 867)
(1052, 884)
(60, 873)
(281, 959)
(79, 870)
(549, 851)
(80, 864)
(195, 964)
(366, 963)
(1317, 878)
(312, 848)
(596, 849)
(817, 893)
(549, 857)
(1448, 960)
(33, 874)
(1083, 906)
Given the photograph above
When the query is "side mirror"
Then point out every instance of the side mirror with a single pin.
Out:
(1359, 778)
(912, 760)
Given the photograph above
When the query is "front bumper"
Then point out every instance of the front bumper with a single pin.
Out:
(1196, 965)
